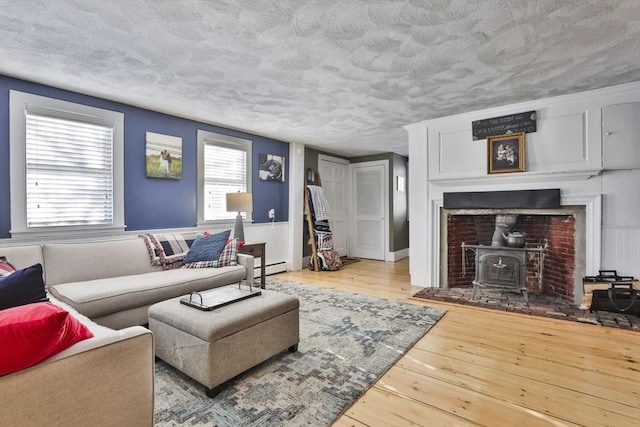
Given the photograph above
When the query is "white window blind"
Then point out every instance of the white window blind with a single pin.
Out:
(225, 171)
(69, 172)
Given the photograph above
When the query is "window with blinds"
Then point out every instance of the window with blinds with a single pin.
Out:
(69, 172)
(66, 168)
(224, 164)
(225, 172)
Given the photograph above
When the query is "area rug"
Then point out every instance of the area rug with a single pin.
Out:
(347, 342)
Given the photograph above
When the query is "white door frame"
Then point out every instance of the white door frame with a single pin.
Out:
(347, 195)
(352, 228)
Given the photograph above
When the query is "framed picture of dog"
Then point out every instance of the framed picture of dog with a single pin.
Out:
(272, 168)
(505, 153)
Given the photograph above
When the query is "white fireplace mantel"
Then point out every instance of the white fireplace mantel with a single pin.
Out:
(518, 178)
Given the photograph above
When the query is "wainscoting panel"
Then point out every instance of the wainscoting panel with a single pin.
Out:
(621, 250)
(562, 140)
(458, 153)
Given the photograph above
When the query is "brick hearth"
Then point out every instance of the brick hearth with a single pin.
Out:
(539, 305)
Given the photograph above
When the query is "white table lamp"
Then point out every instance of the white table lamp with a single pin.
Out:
(239, 202)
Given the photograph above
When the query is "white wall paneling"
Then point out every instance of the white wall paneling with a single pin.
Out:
(565, 152)
(276, 235)
(621, 250)
(418, 202)
(560, 142)
(621, 221)
(456, 155)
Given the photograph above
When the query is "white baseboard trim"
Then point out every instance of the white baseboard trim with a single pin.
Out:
(398, 255)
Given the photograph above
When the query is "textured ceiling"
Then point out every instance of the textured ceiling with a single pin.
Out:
(340, 76)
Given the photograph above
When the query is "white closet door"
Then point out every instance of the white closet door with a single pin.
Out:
(369, 216)
(334, 176)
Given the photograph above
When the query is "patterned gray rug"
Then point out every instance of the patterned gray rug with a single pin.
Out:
(347, 341)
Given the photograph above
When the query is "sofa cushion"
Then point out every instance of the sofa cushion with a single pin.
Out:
(76, 262)
(23, 256)
(100, 297)
(6, 268)
(22, 287)
(227, 257)
(34, 332)
(207, 248)
(96, 329)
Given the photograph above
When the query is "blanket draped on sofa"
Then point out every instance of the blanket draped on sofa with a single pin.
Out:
(168, 250)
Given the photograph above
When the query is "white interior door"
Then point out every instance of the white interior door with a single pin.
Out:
(334, 177)
(369, 200)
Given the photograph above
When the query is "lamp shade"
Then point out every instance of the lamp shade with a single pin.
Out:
(239, 202)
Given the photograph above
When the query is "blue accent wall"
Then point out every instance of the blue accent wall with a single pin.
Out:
(151, 203)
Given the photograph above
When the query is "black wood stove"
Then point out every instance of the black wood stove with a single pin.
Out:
(502, 267)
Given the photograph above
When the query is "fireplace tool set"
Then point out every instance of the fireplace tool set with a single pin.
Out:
(610, 292)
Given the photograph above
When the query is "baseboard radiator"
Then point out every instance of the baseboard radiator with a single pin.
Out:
(273, 268)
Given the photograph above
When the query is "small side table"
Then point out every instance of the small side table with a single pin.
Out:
(257, 249)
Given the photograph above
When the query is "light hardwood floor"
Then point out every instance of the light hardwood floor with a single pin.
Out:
(491, 368)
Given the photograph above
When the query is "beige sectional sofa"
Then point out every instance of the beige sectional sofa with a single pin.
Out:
(107, 379)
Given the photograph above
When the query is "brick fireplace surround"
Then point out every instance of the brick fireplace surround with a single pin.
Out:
(555, 232)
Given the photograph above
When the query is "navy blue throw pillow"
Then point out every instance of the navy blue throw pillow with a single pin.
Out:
(207, 248)
(22, 287)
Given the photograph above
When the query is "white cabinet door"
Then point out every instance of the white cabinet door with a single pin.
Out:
(621, 136)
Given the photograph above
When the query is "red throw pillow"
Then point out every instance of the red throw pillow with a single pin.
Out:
(34, 332)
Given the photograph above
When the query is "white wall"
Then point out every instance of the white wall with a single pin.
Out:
(565, 152)
(296, 206)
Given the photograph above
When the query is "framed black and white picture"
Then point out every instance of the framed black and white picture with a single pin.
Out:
(272, 168)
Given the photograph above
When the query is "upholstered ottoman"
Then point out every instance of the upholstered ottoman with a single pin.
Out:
(214, 346)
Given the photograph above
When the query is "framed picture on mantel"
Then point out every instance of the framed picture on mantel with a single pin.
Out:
(505, 153)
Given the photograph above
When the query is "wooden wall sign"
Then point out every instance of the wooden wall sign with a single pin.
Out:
(513, 123)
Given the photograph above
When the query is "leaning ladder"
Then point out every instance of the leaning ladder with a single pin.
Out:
(312, 232)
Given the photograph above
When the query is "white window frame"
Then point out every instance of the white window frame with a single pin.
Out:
(205, 137)
(19, 104)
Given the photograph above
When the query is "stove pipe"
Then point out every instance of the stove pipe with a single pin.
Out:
(504, 225)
